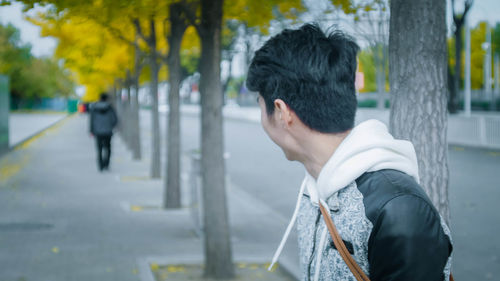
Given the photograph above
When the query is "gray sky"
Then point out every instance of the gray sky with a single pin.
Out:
(481, 10)
(30, 33)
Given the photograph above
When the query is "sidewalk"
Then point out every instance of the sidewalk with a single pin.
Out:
(22, 126)
(62, 220)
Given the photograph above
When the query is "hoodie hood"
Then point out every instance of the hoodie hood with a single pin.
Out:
(368, 148)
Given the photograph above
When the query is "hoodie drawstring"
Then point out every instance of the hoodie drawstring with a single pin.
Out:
(289, 228)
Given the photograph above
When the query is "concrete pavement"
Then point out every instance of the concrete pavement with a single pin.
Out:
(62, 220)
(22, 126)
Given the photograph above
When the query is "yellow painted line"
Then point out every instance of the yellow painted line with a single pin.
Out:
(50, 129)
(154, 266)
(275, 266)
(55, 250)
(174, 268)
(494, 153)
(458, 148)
(9, 168)
(254, 266)
(136, 208)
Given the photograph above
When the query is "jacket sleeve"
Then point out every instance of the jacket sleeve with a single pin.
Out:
(408, 242)
(114, 117)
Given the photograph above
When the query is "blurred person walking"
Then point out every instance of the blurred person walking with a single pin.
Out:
(102, 122)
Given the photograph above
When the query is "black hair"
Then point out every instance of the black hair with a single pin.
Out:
(104, 96)
(312, 72)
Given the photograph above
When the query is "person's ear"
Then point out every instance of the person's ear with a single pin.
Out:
(284, 113)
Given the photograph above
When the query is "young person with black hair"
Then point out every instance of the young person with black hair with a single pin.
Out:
(102, 122)
(366, 179)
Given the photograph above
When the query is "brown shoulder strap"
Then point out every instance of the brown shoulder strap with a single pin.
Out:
(349, 260)
(339, 244)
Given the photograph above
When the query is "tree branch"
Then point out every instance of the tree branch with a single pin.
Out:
(138, 29)
(190, 12)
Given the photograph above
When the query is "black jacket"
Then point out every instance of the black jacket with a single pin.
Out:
(388, 224)
(407, 241)
(102, 119)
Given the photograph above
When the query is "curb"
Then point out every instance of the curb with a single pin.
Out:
(35, 135)
(146, 274)
(286, 262)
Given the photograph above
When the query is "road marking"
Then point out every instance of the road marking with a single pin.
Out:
(10, 167)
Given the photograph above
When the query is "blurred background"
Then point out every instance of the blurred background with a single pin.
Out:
(146, 218)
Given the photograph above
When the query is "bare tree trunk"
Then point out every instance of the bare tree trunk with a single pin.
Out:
(127, 110)
(218, 255)
(172, 193)
(380, 74)
(418, 63)
(135, 121)
(458, 65)
(155, 122)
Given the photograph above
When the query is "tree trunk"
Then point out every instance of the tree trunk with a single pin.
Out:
(155, 122)
(172, 181)
(418, 63)
(218, 255)
(453, 102)
(380, 74)
(128, 112)
(135, 120)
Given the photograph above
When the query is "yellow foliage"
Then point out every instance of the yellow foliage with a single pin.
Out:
(477, 37)
(259, 13)
(88, 50)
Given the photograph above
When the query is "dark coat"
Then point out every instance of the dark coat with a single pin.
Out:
(102, 119)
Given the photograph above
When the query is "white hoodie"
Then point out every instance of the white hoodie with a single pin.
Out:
(369, 147)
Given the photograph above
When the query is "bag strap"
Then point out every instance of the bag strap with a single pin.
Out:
(339, 244)
(337, 241)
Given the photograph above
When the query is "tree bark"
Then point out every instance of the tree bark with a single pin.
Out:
(128, 112)
(135, 120)
(172, 193)
(218, 255)
(453, 107)
(380, 74)
(418, 64)
(155, 68)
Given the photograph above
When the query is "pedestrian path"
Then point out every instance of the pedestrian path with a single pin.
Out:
(60, 219)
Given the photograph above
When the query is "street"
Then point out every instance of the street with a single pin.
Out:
(62, 220)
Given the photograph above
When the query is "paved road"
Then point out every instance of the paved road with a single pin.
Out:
(260, 168)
